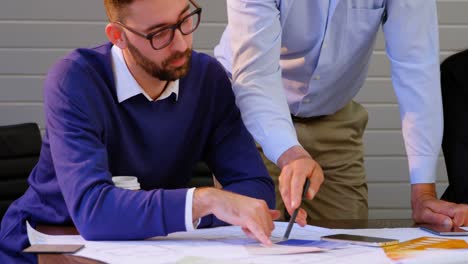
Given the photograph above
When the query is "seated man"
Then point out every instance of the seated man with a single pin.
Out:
(455, 141)
(133, 107)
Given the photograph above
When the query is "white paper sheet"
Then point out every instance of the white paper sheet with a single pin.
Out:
(230, 245)
(36, 237)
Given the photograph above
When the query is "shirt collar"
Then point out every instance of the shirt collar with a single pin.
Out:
(127, 86)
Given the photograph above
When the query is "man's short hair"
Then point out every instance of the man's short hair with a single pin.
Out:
(115, 9)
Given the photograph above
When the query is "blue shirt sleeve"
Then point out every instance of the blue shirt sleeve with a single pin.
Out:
(412, 44)
(254, 38)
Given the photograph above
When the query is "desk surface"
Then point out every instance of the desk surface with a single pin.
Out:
(340, 224)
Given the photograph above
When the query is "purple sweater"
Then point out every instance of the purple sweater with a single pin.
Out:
(90, 137)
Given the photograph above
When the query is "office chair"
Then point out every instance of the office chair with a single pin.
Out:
(454, 82)
(202, 176)
(20, 146)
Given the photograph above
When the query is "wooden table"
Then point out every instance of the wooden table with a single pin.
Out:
(351, 224)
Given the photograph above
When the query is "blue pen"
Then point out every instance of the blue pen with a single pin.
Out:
(294, 215)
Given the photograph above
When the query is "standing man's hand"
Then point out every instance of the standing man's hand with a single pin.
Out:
(296, 165)
(253, 215)
(428, 209)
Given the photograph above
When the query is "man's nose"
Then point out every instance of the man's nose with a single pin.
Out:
(179, 43)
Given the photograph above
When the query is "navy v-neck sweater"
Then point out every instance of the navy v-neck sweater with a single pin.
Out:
(90, 136)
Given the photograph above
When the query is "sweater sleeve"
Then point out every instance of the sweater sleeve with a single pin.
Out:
(232, 154)
(99, 210)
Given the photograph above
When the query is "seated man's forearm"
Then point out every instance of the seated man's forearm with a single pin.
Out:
(253, 215)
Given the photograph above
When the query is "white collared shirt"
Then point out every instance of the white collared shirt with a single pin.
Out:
(127, 87)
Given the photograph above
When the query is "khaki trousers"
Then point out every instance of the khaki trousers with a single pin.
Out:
(335, 142)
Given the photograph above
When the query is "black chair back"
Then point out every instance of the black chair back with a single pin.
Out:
(20, 146)
(202, 176)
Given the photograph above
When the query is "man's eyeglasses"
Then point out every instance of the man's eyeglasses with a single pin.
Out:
(162, 37)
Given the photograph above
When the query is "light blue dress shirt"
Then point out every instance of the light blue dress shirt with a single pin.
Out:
(310, 58)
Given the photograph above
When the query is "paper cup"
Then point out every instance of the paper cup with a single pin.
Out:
(126, 182)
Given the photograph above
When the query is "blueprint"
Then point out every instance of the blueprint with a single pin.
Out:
(230, 245)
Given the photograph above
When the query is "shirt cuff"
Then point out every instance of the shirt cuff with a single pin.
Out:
(422, 169)
(189, 225)
(275, 144)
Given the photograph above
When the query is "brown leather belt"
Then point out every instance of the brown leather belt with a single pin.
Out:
(305, 119)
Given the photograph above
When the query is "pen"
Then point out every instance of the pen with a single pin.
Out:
(294, 215)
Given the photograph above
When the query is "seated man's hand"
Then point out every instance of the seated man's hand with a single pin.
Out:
(253, 215)
(297, 165)
(428, 209)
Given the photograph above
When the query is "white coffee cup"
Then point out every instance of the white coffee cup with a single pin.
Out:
(126, 182)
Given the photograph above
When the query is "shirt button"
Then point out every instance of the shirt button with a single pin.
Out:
(306, 100)
(324, 45)
(317, 77)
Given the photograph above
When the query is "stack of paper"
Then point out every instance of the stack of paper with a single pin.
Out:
(415, 247)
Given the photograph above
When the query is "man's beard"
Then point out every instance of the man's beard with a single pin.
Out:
(163, 72)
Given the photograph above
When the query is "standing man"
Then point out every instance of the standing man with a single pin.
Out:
(144, 105)
(454, 82)
(306, 60)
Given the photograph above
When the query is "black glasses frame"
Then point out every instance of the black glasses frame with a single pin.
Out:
(178, 25)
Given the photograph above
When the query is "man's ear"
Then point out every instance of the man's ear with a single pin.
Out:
(116, 35)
